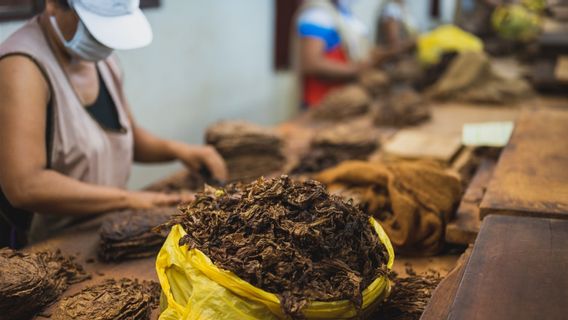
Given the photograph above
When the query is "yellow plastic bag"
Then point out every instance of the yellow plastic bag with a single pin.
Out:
(194, 288)
(447, 38)
(516, 22)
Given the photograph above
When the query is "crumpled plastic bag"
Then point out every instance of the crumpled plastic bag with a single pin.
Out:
(444, 39)
(194, 288)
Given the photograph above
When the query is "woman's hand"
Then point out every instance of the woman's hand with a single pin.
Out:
(198, 157)
(147, 200)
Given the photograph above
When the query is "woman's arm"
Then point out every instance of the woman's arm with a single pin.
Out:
(23, 177)
(149, 148)
(314, 62)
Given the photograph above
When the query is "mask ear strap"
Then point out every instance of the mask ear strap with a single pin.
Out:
(55, 26)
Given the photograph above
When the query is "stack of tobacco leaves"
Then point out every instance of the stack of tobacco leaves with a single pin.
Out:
(402, 108)
(30, 282)
(130, 235)
(331, 146)
(250, 151)
(409, 296)
(112, 300)
(290, 238)
(343, 103)
(375, 82)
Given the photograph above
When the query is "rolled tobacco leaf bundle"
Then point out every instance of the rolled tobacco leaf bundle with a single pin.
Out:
(130, 234)
(29, 282)
(249, 150)
(112, 300)
(289, 238)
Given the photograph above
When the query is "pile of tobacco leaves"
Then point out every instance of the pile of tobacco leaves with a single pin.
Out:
(122, 299)
(130, 234)
(289, 238)
(409, 296)
(29, 282)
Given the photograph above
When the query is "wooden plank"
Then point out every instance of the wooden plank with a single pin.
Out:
(443, 297)
(410, 144)
(465, 227)
(517, 270)
(561, 69)
(531, 177)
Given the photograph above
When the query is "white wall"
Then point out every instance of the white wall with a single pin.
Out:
(211, 60)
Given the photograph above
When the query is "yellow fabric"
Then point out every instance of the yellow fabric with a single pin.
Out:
(421, 195)
(447, 38)
(194, 288)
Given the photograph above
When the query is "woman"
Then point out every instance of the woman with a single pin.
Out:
(333, 48)
(67, 134)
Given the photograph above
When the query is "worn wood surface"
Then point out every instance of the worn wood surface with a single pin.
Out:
(439, 306)
(465, 226)
(531, 177)
(517, 270)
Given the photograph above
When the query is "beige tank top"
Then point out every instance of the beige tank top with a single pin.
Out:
(81, 148)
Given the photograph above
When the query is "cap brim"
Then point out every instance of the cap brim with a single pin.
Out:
(124, 32)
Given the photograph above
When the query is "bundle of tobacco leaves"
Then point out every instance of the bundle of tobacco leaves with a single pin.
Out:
(130, 235)
(250, 151)
(402, 108)
(290, 238)
(343, 103)
(29, 282)
(409, 296)
(112, 300)
(334, 145)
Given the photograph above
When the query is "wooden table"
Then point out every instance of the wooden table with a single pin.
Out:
(517, 270)
(82, 240)
(531, 177)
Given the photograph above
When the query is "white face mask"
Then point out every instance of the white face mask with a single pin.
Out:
(83, 44)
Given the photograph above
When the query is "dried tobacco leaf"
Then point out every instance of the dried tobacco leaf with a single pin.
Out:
(337, 144)
(30, 282)
(250, 151)
(112, 300)
(130, 235)
(340, 104)
(375, 82)
(290, 238)
(402, 108)
(409, 296)
(189, 181)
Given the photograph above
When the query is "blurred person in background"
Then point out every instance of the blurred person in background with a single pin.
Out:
(67, 133)
(333, 48)
(396, 28)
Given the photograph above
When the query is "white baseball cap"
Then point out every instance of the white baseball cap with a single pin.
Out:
(118, 24)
